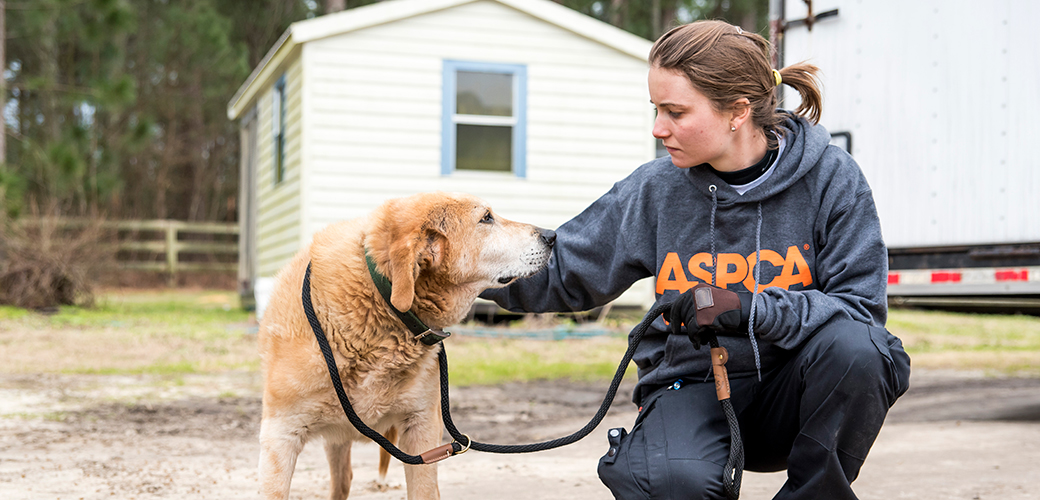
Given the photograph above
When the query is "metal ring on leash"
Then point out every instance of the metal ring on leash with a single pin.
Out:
(469, 441)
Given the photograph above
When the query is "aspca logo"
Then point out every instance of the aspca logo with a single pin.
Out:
(734, 268)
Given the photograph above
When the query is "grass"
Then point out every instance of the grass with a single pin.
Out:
(126, 333)
(490, 361)
(174, 333)
(997, 344)
(10, 312)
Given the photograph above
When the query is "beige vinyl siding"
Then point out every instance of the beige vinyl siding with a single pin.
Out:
(279, 206)
(374, 114)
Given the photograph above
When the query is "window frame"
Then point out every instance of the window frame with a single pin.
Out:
(278, 112)
(450, 119)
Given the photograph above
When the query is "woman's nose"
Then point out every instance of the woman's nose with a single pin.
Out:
(659, 131)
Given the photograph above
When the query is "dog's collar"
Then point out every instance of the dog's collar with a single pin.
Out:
(423, 333)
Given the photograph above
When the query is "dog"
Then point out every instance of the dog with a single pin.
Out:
(439, 251)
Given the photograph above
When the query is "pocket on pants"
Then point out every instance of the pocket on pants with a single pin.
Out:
(694, 425)
(627, 473)
(677, 449)
(616, 468)
(896, 358)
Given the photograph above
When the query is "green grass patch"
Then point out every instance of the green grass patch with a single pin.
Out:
(177, 312)
(11, 312)
(130, 333)
(998, 344)
(493, 361)
(53, 416)
(180, 368)
(932, 331)
(174, 333)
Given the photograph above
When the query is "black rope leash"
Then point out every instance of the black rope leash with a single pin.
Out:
(619, 375)
(439, 453)
(731, 473)
(734, 468)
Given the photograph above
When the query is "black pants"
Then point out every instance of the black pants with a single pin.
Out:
(817, 415)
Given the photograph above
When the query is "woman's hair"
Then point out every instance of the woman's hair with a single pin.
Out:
(726, 63)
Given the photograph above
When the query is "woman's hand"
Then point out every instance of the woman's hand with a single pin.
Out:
(709, 311)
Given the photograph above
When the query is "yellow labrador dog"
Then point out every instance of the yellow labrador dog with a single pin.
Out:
(439, 251)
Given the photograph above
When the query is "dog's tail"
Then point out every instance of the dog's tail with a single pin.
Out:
(384, 457)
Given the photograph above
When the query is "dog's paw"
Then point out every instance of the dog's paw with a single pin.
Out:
(382, 486)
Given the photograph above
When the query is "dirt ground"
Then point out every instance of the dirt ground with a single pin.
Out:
(954, 435)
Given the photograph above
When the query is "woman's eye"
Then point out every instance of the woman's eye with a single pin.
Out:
(673, 114)
(488, 219)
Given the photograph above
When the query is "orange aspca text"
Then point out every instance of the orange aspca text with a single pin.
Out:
(733, 268)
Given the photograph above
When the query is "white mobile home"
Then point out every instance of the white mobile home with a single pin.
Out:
(534, 107)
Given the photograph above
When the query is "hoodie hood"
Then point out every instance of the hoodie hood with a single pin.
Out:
(805, 146)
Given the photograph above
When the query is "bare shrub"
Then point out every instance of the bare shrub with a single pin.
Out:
(48, 261)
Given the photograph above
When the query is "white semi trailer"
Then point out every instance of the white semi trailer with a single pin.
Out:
(939, 102)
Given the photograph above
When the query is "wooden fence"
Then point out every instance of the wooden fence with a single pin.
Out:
(141, 242)
(164, 246)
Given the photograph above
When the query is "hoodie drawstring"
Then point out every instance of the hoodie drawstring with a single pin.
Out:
(711, 229)
(758, 263)
(751, 316)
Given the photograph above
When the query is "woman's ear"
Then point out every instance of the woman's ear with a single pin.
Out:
(740, 112)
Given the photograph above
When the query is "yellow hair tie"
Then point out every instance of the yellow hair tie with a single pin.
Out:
(776, 76)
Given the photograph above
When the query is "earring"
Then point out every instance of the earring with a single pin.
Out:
(732, 128)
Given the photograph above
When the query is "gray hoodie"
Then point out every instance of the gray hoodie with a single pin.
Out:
(812, 222)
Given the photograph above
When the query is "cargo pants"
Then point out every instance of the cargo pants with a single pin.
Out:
(816, 415)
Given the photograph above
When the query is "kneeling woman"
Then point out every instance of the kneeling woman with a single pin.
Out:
(753, 201)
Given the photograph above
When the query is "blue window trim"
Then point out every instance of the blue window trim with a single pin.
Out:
(519, 71)
(278, 139)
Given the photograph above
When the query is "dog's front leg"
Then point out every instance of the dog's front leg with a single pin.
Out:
(422, 434)
(280, 445)
(340, 473)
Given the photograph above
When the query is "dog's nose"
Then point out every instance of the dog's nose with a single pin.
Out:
(547, 235)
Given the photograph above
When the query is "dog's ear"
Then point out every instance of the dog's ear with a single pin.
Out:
(408, 257)
(410, 232)
(403, 269)
(434, 247)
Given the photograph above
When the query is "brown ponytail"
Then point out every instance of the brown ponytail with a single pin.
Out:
(803, 78)
(726, 63)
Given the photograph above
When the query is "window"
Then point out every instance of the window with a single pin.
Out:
(484, 118)
(278, 129)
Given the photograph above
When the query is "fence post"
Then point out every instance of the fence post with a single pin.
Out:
(171, 253)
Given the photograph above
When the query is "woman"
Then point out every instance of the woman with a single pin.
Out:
(753, 204)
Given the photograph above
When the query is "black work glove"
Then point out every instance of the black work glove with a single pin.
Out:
(709, 311)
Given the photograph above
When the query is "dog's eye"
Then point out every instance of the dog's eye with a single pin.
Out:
(488, 219)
